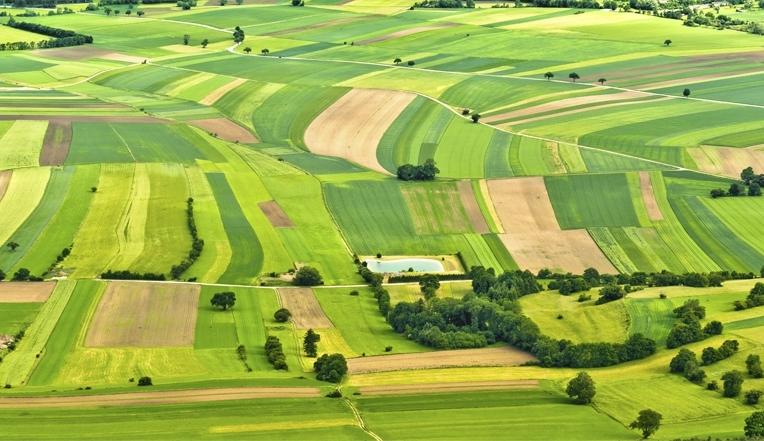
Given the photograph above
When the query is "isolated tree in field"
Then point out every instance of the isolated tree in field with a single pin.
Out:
(667, 42)
(265, 51)
(648, 422)
(12, 245)
(581, 388)
(753, 365)
(140, 13)
(548, 76)
(331, 368)
(411, 62)
(247, 50)
(309, 343)
(397, 61)
(107, 11)
(223, 300)
(186, 39)
(205, 42)
(145, 381)
(308, 276)
(282, 315)
(686, 92)
(238, 34)
(475, 117)
(223, 2)
(733, 383)
(752, 397)
(602, 81)
(754, 425)
(128, 12)
(573, 76)
(117, 11)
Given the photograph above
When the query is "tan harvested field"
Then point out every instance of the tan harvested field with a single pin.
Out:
(5, 179)
(166, 397)
(74, 53)
(22, 292)
(275, 214)
(225, 129)
(563, 104)
(218, 93)
(497, 356)
(433, 388)
(648, 195)
(405, 33)
(727, 161)
(115, 56)
(352, 127)
(470, 204)
(136, 314)
(305, 309)
(55, 146)
(532, 234)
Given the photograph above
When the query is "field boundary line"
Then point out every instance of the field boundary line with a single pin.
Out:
(361, 422)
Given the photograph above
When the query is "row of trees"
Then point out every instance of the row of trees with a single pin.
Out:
(750, 185)
(62, 37)
(197, 244)
(450, 4)
(423, 172)
(274, 350)
(593, 278)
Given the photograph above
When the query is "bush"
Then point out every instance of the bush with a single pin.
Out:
(307, 276)
(753, 365)
(275, 353)
(334, 394)
(282, 315)
(424, 172)
(145, 381)
(331, 368)
(733, 383)
(581, 388)
(610, 293)
(752, 397)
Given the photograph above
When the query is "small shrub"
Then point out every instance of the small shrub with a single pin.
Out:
(752, 397)
(387, 349)
(334, 394)
(145, 381)
(282, 315)
(714, 385)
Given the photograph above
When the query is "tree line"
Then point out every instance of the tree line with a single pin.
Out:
(422, 172)
(62, 37)
(197, 244)
(755, 298)
(445, 4)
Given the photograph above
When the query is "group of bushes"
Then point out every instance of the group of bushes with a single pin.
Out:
(592, 278)
(197, 244)
(423, 172)
(21, 275)
(686, 363)
(755, 298)
(11, 346)
(61, 37)
(687, 329)
(275, 353)
(751, 185)
(449, 4)
(129, 275)
(241, 352)
(375, 282)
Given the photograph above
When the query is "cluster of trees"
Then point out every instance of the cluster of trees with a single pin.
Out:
(238, 35)
(423, 172)
(687, 329)
(23, 275)
(282, 315)
(711, 355)
(42, 3)
(129, 275)
(755, 298)
(444, 4)
(664, 278)
(307, 276)
(580, 4)
(46, 30)
(375, 282)
(310, 343)
(62, 37)
(275, 353)
(223, 300)
(186, 4)
(60, 258)
(686, 363)
(331, 367)
(197, 244)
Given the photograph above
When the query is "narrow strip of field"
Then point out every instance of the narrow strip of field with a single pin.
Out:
(225, 129)
(727, 161)
(166, 397)
(434, 388)
(20, 292)
(532, 234)
(471, 207)
(405, 33)
(275, 214)
(497, 356)
(218, 93)
(305, 309)
(55, 146)
(563, 104)
(5, 178)
(352, 127)
(648, 196)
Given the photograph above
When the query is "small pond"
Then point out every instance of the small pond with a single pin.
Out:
(403, 265)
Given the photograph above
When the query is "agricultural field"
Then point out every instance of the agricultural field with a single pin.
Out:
(365, 219)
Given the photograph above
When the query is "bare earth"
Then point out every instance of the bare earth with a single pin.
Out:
(405, 33)
(218, 93)
(145, 315)
(564, 103)
(122, 57)
(410, 389)
(532, 234)
(22, 292)
(646, 185)
(225, 129)
(74, 53)
(5, 179)
(352, 127)
(275, 214)
(305, 309)
(167, 397)
(467, 196)
(55, 147)
(727, 161)
(498, 356)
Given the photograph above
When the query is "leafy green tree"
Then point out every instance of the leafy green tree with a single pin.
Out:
(581, 388)
(22, 275)
(735, 189)
(752, 397)
(686, 92)
(186, 39)
(681, 360)
(753, 365)
(307, 276)
(145, 381)
(747, 175)
(754, 425)
(397, 61)
(548, 75)
(733, 383)
(667, 42)
(2, 275)
(282, 315)
(12, 245)
(107, 11)
(331, 368)
(140, 13)
(223, 300)
(573, 76)
(265, 51)
(754, 189)
(429, 281)
(602, 81)
(205, 42)
(648, 422)
(238, 34)
(610, 293)
(310, 343)
(475, 117)
(247, 50)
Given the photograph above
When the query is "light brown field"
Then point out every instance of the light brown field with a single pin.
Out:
(22, 292)
(225, 129)
(470, 204)
(218, 93)
(698, 79)
(405, 33)
(352, 127)
(275, 214)
(646, 185)
(5, 179)
(532, 234)
(122, 57)
(55, 146)
(432, 388)
(137, 314)
(727, 161)
(563, 104)
(74, 53)
(305, 309)
(497, 356)
(165, 397)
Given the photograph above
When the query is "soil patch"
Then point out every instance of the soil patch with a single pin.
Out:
(432, 388)
(532, 234)
(498, 356)
(646, 185)
(22, 292)
(141, 314)
(727, 161)
(115, 56)
(467, 196)
(55, 146)
(305, 309)
(218, 93)
(166, 397)
(352, 127)
(225, 129)
(275, 214)
(74, 53)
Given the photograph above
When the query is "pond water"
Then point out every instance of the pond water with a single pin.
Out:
(403, 265)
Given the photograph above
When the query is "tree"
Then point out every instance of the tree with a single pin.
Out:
(2, 275)
(733, 383)
(752, 397)
(686, 92)
(667, 42)
(238, 34)
(754, 425)
(591, 276)
(714, 327)
(548, 76)
(610, 293)
(22, 275)
(331, 368)
(429, 281)
(717, 193)
(475, 117)
(397, 61)
(753, 365)
(205, 42)
(309, 343)
(265, 51)
(308, 276)
(186, 39)
(223, 2)
(145, 381)
(573, 76)
(682, 359)
(648, 421)
(140, 13)
(747, 174)
(12, 245)
(411, 62)
(581, 388)
(735, 189)
(223, 300)
(602, 81)
(282, 315)
(107, 11)
(247, 50)
(239, 2)
(754, 189)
